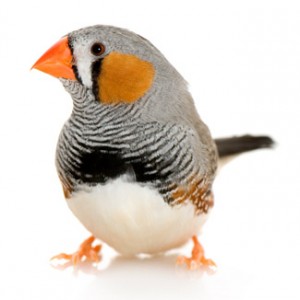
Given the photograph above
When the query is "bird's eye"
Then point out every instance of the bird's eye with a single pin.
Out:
(97, 49)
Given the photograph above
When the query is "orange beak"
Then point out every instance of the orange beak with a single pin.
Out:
(57, 61)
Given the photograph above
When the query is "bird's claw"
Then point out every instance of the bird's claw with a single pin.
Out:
(197, 260)
(85, 252)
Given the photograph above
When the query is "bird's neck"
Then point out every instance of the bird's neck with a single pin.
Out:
(82, 97)
(87, 108)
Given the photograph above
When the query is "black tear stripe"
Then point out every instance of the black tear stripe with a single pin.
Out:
(74, 67)
(96, 69)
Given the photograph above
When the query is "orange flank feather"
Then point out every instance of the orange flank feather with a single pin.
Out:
(197, 191)
(124, 78)
(66, 188)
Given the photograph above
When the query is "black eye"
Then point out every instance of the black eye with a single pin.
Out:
(97, 49)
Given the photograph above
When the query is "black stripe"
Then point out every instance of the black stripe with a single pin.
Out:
(96, 69)
(74, 67)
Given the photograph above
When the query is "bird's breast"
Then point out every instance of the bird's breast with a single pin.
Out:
(106, 153)
(153, 155)
(133, 218)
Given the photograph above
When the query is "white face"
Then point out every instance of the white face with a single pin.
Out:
(83, 60)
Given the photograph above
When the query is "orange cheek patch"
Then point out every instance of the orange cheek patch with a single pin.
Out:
(124, 78)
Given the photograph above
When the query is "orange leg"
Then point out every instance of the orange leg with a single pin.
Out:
(86, 250)
(197, 259)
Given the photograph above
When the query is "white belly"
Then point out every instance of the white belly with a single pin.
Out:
(134, 219)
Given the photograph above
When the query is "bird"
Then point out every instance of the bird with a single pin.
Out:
(135, 160)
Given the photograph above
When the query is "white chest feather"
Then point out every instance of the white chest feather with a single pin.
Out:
(134, 219)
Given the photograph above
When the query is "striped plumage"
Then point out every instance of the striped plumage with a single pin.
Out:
(101, 142)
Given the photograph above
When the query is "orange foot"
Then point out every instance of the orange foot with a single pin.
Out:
(197, 259)
(85, 251)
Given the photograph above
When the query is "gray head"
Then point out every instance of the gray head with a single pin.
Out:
(93, 45)
(118, 66)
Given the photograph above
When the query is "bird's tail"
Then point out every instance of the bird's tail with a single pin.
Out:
(228, 147)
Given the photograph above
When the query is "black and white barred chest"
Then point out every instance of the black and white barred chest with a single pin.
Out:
(100, 143)
(151, 154)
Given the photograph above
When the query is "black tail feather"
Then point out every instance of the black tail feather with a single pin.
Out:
(236, 145)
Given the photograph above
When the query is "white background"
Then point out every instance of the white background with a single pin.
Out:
(242, 60)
